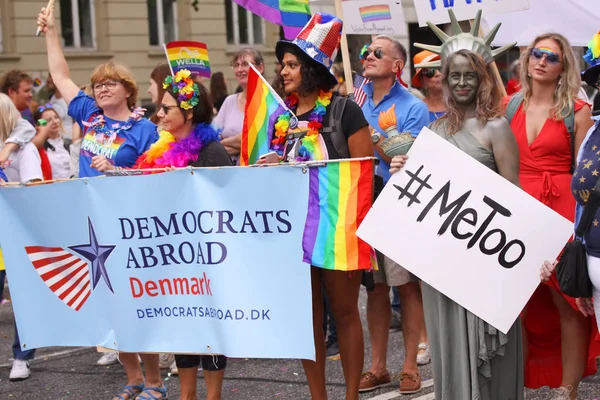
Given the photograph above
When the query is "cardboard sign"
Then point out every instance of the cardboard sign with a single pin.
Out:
(436, 11)
(465, 230)
(374, 17)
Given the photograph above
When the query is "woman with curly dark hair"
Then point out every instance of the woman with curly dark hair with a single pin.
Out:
(308, 83)
(218, 89)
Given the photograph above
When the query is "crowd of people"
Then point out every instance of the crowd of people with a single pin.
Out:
(534, 139)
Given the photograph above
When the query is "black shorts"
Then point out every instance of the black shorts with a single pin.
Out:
(209, 363)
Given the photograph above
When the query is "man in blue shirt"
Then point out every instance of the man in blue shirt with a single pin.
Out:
(383, 63)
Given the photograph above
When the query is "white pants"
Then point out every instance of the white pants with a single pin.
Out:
(594, 273)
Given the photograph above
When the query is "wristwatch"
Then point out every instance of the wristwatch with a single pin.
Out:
(376, 137)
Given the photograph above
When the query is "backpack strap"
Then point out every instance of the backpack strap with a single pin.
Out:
(334, 127)
(513, 105)
(569, 122)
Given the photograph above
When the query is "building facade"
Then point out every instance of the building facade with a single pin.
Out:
(131, 32)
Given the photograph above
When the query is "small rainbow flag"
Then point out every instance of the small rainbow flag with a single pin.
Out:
(379, 12)
(188, 55)
(340, 195)
(291, 14)
(263, 106)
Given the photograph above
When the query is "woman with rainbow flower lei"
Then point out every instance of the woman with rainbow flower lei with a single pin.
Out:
(188, 139)
(308, 82)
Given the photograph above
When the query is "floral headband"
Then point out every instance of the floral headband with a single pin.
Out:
(187, 91)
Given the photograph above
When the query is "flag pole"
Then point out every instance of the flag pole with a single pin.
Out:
(344, 46)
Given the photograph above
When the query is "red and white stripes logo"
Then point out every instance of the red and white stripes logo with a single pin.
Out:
(67, 275)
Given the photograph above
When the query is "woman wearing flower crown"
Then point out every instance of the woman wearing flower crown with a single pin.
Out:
(307, 80)
(188, 139)
(549, 123)
(115, 132)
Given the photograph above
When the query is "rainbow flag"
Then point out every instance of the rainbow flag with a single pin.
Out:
(291, 14)
(188, 55)
(375, 13)
(340, 195)
(263, 106)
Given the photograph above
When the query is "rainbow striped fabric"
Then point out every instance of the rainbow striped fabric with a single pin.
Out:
(263, 106)
(291, 14)
(188, 55)
(340, 195)
(375, 13)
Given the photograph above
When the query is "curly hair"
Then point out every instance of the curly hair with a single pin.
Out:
(315, 76)
(488, 94)
(12, 79)
(117, 72)
(203, 111)
(567, 85)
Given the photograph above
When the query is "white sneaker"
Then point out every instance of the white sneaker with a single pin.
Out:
(19, 371)
(166, 360)
(424, 356)
(173, 369)
(108, 358)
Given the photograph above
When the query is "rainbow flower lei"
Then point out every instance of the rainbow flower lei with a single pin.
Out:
(187, 91)
(309, 142)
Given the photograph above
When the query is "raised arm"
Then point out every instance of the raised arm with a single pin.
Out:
(57, 64)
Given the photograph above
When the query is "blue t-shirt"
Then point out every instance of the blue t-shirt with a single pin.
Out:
(3, 176)
(582, 184)
(123, 151)
(434, 116)
(411, 115)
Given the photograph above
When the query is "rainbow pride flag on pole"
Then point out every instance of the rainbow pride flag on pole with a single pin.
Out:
(291, 14)
(340, 195)
(263, 106)
(192, 56)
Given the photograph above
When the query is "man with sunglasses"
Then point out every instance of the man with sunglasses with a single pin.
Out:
(383, 62)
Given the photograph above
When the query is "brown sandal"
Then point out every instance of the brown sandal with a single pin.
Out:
(410, 383)
(369, 381)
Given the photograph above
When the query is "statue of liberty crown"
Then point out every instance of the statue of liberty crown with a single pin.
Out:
(463, 41)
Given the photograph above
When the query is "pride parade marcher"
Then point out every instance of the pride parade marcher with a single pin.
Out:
(429, 81)
(115, 133)
(550, 123)
(155, 89)
(51, 134)
(384, 60)
(188, 139)
(471, 359)
(308, 83)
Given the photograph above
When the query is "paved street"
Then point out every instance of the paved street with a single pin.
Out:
(71, 373)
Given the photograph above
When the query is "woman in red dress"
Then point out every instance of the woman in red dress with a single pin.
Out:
(559, 342)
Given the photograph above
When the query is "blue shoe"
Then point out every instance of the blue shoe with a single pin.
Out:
(131, 391)
(146, 395)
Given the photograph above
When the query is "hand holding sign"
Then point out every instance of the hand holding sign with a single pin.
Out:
(46, 18)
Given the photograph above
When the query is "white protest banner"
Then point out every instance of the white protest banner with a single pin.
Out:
(577, 20)
(465, 230)
(436, 11)
(374, 17)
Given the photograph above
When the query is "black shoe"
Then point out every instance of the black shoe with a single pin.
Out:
(396, 323)
(332, 348)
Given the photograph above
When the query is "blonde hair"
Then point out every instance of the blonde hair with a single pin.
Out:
(568, 84)
(117, 72)
(10, 117)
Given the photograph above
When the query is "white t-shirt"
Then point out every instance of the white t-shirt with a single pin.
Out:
(59, 159)
(61, 107)
(25, 165)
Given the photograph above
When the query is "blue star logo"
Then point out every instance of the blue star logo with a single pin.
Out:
(96, 254)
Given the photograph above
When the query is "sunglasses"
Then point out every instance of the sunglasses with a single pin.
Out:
(428, 72)
(166, 108)
(45, 107)
(551, 57)
(377, 53)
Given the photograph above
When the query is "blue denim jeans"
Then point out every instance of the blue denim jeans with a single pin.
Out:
(395, 299)
(19, 354)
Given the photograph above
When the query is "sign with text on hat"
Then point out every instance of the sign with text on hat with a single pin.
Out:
(374, 17)
(436, 11)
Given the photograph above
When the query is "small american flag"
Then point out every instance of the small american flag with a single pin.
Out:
(359, 95)
(66, 275)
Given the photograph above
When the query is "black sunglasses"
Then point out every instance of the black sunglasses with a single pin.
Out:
(166, 108)
(377, 53)
(428, 72)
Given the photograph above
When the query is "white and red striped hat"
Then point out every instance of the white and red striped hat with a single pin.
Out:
(319, 40)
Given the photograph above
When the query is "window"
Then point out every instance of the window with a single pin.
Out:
(166, 12)
(77, 23)
(243, 27)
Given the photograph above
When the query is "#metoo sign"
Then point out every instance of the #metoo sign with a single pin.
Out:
(465, 230)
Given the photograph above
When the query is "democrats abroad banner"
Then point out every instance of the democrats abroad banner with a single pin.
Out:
(191, 261)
